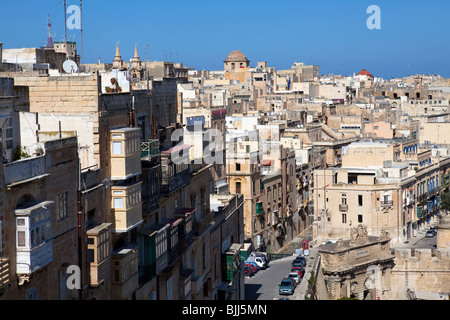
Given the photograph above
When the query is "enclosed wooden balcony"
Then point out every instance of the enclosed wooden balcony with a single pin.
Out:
(125, 272)
(99, 253)
(125, 153)
(126, 204)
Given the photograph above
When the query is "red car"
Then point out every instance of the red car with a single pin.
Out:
(299, 270)
(248, 271)
(251, 267)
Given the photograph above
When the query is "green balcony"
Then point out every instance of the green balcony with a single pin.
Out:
(419, 212)
(259, 207)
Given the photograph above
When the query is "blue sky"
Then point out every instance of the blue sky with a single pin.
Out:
(414, 36)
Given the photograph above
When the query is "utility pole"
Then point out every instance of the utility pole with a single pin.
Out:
(81, 18)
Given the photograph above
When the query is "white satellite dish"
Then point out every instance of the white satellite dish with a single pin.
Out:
(70, 66)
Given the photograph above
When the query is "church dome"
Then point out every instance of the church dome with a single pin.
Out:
(236, 56)
(364, 72)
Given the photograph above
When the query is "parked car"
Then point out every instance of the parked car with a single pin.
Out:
(261, 255)
(301, 259)
(434, 230)
(249, 271)
(430, 234)
(295, 276)
(299, 270)
(251, 266)
(261, 262)
(287, 286)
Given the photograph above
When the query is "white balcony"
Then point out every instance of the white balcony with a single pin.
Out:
(34, 249)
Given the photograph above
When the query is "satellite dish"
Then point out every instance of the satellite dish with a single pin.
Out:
(70, 66)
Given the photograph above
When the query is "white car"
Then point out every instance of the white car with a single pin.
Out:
(295, 276)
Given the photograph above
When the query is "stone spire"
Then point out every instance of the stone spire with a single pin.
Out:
(136, 62)
(118, 62)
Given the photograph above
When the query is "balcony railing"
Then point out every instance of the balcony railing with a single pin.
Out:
(387, 204)
(149, 149)
(201, 225)
(343, 207)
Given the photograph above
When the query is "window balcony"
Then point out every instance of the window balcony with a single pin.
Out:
(126, 204)
(175, 168)
(149, 149)
(387, 203)
(259, 207)
(172, 236)
(185, 284)
(125, 153)
(419, 212)
(125, 272)
(343, 207)
(153, 253)
(34, 249)
(232, 266)
(4, 272)
(201, 225)
(185, 229)
(99, 253)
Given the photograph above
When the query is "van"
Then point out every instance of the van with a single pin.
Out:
(262, 256)
(261, 262)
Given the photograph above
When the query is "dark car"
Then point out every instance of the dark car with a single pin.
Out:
(287, 286)
(430, 234)
(299, 262)
(434, 230)
(300, 258)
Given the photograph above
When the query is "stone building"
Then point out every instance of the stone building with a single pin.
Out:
(359, 267)
(39, 223)
(236, 66)
(424, 274)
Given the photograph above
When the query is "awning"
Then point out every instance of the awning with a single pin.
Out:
(267, 162)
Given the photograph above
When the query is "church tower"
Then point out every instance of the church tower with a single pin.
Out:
(118, 62)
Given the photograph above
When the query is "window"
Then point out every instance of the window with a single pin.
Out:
(91, 255)
(360, 200)
(117, 147)
(247, 148)
(238, 187)
(163, 213)
(360, 218)
(118, 203)
(62, 205)
(21, 238)
(238, 167)
(344, 199)
(344, 218)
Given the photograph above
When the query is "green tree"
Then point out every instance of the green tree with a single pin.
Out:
(445, 201)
